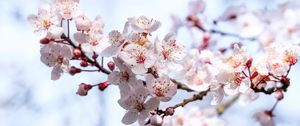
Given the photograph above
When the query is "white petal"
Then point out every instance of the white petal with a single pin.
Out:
(109, 51)
(130, 117)
(142, 117)
(154, 27)
(80, 37)
(56, 73)
(139, 69)
(152, 104)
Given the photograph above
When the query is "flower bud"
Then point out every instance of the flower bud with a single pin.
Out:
(83, 89)
(249, 63)
(84, 63)
(103, 85)
(73, 70)
(169, 111)
(77, 52)
(156, 120)
(279, 95)
(111, 65)
(45, 41)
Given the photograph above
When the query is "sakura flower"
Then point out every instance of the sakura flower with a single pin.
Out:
(235, 83)
(265, 118)
(56, 56)
(138, 58)
(169, 50)
(143, 24)
(193, 117)
(123, 78)
(92, 42)
(67, 8)
(139, 39)
(238, 59)
(162, 88)
(116, 40)
(199, 78)
(46, 22)
(137, 105)
(83, 23)
(217, 91)
(97, 26)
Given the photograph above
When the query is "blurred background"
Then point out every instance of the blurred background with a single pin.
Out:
(28, 97)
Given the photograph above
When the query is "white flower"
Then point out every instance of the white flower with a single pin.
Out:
(83, 23)
(117, 40)
(169, 50)
(46, 22)
(235, 83)
(193, 117)
(217, 91)
(143, 24)
(238, 59)
(67, 8)
(97, 26)
(138, 58)
(92, 42)
(264, 118)
(123, 78)
(136, 105)
(56, 56)
(199, 78)
(162, 88)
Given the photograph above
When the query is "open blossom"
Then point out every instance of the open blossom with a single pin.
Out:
(56, 56)
(83, 23)
(169, 50)
(67, 8)
(46, 21)
(137, 105)
(277, 59)
(138, 58)
(92, 42)
(193, 117)
(238, 59)
(124, 78)
(162, 88)
(143, 24)
(116, 40)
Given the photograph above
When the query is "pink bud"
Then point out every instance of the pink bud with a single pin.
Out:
(44, 41)
(83, 89)
(84, 63)
(169, 111)
(205, 37)
(111, 65)
(156, 120)
(279, 95)
(77, 52)
(73, 70)
(249, 63)
(103, 85)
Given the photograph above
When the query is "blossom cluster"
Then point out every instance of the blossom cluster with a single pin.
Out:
(143, 66)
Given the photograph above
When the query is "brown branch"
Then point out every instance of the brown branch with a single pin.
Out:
(195, 97)
(222, 107)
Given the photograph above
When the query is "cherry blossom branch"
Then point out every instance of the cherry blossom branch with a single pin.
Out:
(181, 86)
(222, 107)
(195, 97)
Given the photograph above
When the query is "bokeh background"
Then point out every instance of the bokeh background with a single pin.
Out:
(29, 98)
